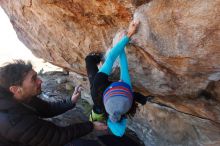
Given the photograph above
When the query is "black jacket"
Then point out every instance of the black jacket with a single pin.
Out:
(21, 124)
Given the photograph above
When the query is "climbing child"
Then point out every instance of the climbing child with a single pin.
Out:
(112, 99)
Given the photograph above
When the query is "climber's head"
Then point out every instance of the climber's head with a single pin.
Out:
(117, 100)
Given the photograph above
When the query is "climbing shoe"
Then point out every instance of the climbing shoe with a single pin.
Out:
(96, 117)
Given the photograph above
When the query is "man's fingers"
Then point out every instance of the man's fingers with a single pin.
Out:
(76, 95)
(75, 91)
(78, 89)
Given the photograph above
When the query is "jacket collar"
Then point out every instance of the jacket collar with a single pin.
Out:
(6, 100)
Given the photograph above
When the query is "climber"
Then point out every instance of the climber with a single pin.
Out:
(112, 99)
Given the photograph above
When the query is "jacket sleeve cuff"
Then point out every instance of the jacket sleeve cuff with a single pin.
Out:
(70, 103)
(126, 39)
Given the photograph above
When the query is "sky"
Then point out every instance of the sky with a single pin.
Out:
(12, 48)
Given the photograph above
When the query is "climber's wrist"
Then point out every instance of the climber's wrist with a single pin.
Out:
(129, 35)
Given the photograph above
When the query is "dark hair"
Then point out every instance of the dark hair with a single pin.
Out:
(133, 109)
(14, 73)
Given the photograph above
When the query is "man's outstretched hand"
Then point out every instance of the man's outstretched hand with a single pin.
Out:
(76, 94)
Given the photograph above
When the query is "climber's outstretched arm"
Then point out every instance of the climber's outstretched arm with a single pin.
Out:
(118, 48)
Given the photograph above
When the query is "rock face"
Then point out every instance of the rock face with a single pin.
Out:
(174, 56)
(181, 40)
(176, 47)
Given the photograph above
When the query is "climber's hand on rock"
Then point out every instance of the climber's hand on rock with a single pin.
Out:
(76, 94)
(132, 28)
